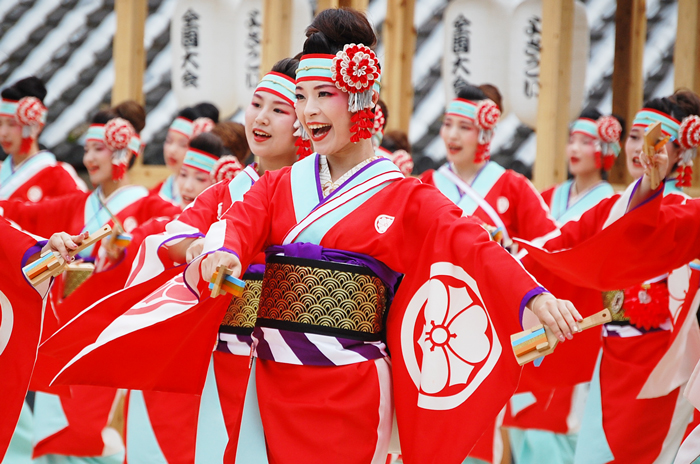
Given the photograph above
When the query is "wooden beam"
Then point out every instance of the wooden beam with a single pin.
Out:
(357, 4)
(555, 92)
(686, 56)
(628, 77)
(399, 48)
(148, 175)
(128, 50)
(276, 31)
(325, 4)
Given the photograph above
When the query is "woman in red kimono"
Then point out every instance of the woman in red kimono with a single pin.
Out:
(500, 197)
(636, 387)
(111, 142)
(340, 225)
(209, 429)
(543, 425)
(20, 337)
(189, 123)
(28, 173)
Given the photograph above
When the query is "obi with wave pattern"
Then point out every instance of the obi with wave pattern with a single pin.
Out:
(243, 310)
(322, 297)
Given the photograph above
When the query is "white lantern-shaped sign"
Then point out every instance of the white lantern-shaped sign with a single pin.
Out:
(524, 67)
(476, 46)
(246, 38)
(217, 47)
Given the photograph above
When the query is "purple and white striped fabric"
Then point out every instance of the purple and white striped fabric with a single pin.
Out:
(239, 345)
(308, 349)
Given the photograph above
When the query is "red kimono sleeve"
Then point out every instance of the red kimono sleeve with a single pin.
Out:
(547, 196)
(245, 228)
(48, 216)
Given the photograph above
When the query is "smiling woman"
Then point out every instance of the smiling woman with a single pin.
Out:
(29, 173)
(345, 218)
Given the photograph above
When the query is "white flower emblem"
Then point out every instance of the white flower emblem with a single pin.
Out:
(455, 337)
(448, 341)
(383, 222)
(7, 319)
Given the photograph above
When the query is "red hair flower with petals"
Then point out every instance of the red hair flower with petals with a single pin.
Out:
(118, 133)
(202, 125)
(226, 167)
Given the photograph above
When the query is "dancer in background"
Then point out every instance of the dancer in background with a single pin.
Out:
(233, 135)
(501, 198)
(543, 425)
(29, 173)
(189, 123)
(594, 144)
(649, 346)
(111, 143)
(215, 428)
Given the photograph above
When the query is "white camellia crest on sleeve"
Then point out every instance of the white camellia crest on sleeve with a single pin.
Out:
(7, 318)
(448, 340)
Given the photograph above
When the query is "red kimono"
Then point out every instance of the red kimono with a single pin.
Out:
(39, 177)
(499, 197)
(648, 350)
(375, 215)
(88, 409)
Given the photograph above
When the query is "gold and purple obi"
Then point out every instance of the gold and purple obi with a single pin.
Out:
(236, 328)
(322, 311)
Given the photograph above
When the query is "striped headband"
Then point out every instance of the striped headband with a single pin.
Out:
(463, 108)
(8, 107)
(279, 85)
(96, 132)
(585, 126)
(183, 126)
(647, 116)
(199, 160)
(315, 67)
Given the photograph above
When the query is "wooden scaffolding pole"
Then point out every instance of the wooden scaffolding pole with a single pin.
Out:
(399, 48)
(128, 50)
(357, 4)
(276, 31)
(628, 77)
(555, 92)
(686, 56)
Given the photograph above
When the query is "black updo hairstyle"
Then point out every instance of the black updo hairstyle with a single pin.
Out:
(188, 113)
(286, 66)
(129, 110)
(208, 143)
(333, 28)
(471, 93)
(680, 105)
(27, 87)
(207, 110)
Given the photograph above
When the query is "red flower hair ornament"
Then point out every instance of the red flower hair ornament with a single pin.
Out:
(487, 115)
(118, 134)
(31, 114)
(609, 132)
(689, 140)
(201, 125)
(354, 71)
(226, 167)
